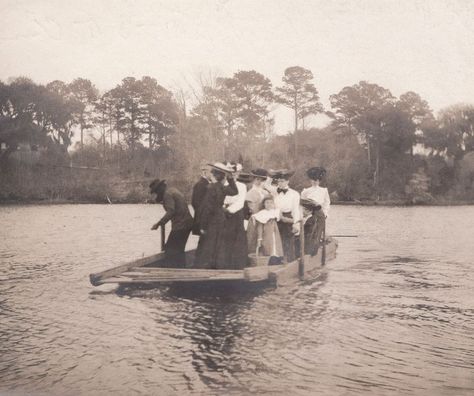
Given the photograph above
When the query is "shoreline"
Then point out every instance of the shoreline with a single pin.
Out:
(387, 203)
(402, 203)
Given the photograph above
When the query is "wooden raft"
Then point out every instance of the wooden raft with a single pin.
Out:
(149, 270)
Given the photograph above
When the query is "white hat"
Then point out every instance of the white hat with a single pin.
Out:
(219, 166)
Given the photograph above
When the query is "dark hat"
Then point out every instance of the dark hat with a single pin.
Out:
(309, 204)
(157, 185)
(316, 173)
(259, 173)
(245, 177)
(281, 173)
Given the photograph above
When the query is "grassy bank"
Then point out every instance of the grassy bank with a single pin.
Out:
(63, 185)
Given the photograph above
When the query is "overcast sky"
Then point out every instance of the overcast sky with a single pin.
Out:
(423, 46)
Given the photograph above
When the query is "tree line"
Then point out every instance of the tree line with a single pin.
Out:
(376, 146)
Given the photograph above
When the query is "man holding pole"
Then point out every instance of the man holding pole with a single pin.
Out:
(177, 211)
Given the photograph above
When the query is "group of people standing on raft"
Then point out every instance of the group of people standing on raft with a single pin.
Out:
(222, 204)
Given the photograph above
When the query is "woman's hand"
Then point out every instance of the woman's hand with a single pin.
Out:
(227, 213)
(285, 219)
(155, 226)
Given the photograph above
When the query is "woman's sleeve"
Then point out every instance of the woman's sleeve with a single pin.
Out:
(327, 203)
(296, 212)
(231, 189)
(170, 208)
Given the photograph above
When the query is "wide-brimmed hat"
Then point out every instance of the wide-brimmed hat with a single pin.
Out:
(245, 177)
(316, 173)
(259, 173)
(309, 204)
(219, 166)
(281, 173)
(157, 185)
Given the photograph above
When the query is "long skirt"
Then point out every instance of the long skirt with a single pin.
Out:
(196, 226)
(210, 250)
(288, 241)
(174, 248)
(314, 228)
(235, 242)
(196, 230)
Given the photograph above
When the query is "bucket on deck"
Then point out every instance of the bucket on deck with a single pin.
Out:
(257, 260)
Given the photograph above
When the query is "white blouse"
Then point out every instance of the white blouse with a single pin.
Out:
(318, 194)
(234, 203)
(289, 202)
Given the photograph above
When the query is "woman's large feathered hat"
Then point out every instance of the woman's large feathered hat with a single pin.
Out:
(316, 173)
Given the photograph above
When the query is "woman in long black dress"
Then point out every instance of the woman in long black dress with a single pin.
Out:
(234, 231)
(211, 250)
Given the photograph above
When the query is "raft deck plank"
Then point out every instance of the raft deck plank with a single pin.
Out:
(182, 271)
(190, 275)
(97, 278)
(153, 279)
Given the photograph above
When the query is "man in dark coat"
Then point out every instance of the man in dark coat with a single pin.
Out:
(177, 211)
(199, 191)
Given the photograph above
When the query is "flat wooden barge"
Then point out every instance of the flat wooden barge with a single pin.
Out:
(150, 271)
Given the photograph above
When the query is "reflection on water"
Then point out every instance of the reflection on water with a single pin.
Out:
(392, 315)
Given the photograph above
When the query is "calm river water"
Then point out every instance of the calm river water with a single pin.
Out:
(393, 314)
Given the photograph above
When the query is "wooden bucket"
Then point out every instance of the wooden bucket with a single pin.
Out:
(257, 260)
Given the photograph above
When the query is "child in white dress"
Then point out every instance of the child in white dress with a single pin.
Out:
(263, 234)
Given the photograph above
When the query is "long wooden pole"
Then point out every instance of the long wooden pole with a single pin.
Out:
(162, 229)
(301, 262)
(323, 253)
